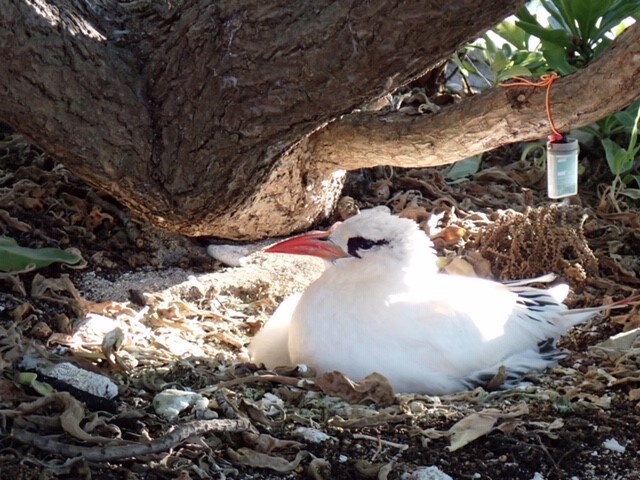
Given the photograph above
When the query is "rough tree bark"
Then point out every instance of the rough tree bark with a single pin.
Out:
(219, 118)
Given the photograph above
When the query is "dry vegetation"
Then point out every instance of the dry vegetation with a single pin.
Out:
(164, 323)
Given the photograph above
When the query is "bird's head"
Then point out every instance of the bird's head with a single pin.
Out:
(373, 237)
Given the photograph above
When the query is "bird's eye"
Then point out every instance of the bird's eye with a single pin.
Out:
(354, 244)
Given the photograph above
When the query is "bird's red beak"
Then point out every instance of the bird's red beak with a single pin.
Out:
(315, 244)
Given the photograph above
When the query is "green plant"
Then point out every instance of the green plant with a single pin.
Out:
(621, 160)
(14, 258)
(462, 169)
(498, 63)
(617, 126)
(578, 29)
(532, 148)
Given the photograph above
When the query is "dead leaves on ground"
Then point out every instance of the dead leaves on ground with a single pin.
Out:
(226, 415)
(374, 388)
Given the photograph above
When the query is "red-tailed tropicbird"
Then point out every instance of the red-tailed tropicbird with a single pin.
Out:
(381, 306)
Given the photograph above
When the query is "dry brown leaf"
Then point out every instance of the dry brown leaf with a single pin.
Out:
(96, 217)
(251, 458)
(526, 176)
(373, 388)
(498, 379)
(629, 321)
(70, 418)
(9, 392)
(368, 469)
(451, 234)
(256, 413)
(617, 345)
(229, 339)
(383, 418)
(40, 330)
(415, 213)
(11, 345)
(111, 308)
(493, 175)
(13, 222)
(509, 426)
(634, 394)
(264, 443)
(475, 426)
(319, 469)
(381, 189)
(346, 208)
(53, 289)
(21, 311)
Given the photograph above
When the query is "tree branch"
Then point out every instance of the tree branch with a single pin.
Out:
(484, 122)
(109, 453)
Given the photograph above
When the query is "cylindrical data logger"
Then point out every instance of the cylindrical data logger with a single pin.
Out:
(562, 168)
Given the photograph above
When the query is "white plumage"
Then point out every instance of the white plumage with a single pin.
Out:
(381, 306)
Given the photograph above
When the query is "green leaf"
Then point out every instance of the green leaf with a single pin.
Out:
(513, 34)
(611, 125)
(618, 12)
(14, 258)
(587, 13)
(499, 62)
(31, 379)
(489, 43)
(560, 12)
(529, 59)
(592, 130)
(586, 135)
(464, 65)
(632, 193)
(617, 157)
(634, 131)
(532, 147)
(524, 15)
(601, 47)
(555, 35)
(464, 168)
(556, 57)
(626, 119)
(630, 178)
(514, 71)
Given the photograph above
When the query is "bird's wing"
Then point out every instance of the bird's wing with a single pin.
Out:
(270, 344)
(468, 325)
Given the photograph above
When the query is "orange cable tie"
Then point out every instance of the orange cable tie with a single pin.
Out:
(544, 81)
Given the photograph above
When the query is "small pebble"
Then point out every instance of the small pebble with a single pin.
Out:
(312, 435)
(426, 473)
(613, 445)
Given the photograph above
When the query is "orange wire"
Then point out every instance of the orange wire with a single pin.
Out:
(544, 81)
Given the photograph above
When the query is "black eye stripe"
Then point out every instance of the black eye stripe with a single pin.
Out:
(354, 244)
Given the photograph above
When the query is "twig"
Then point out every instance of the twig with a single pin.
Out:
(132, 449)
(362, 436)
(293, 381)
(543, 447)
(383, 473)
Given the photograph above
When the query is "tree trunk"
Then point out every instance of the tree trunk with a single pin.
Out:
(219, 118)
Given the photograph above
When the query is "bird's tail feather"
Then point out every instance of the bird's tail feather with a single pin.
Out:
(548, 278)
(578, 315)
